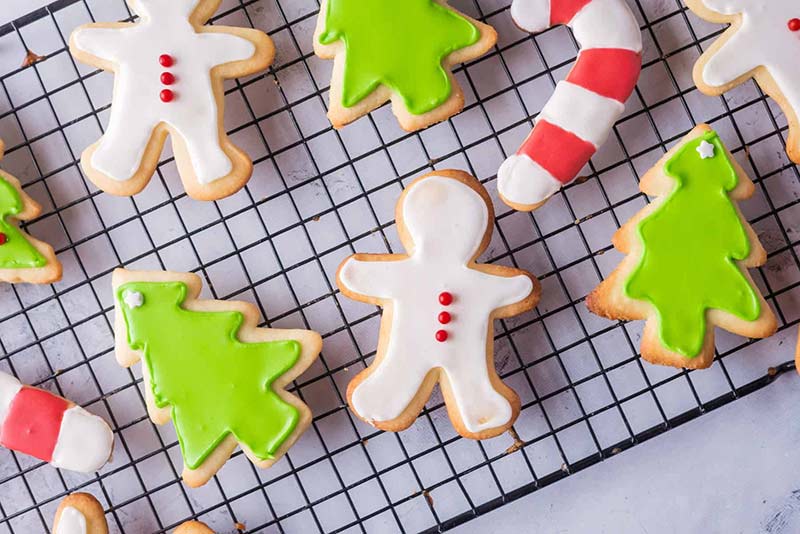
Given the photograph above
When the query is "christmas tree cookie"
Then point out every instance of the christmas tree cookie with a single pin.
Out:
(763, 43)
(81, 513)
(169, 70)
(208, 368)
(400, 51)
(439, 311)
(687, 257)
(22, 257)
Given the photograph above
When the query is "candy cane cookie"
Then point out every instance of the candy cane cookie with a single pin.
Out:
(37, 423)
(81, 513)
(584, 107)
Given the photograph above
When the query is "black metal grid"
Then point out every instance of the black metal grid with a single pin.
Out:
(586, 394)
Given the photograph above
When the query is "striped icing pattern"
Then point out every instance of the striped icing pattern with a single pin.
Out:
(584, 107)
(37, 423)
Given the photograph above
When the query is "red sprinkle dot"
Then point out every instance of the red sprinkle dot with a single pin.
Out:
(165, 60)
(3, 238)
(441, 336)
(444, 317)
(445, 298)
(167, 95)
(794, 25)
(167, 78)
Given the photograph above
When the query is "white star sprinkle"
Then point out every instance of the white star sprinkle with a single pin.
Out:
(133, 299)
(706, 150)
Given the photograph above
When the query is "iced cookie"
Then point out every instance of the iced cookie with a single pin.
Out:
(401, 51)
(687, 257)
(169, 70)
(22, 257)
(763, 42)
(81, 513)
(584, 107)
(439, 311)
(37, 423)
(209, 368)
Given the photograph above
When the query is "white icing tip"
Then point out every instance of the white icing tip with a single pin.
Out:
(706, 150)
(71, 521)
(521, 180)
(84, 442)
(531, 15)
(133, 299)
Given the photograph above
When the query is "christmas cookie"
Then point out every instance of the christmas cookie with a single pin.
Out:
(687, 257)
(81, 513)
(37, 423)
(763, 42)
(439, 309)
(22, 258)
(400, 51)
(211, 370)
(169, 70)
(584, 107)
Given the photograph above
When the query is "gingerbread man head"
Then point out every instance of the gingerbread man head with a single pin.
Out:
(439, 219)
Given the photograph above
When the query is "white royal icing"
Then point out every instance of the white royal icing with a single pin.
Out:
(84, 442)
(9, 387)
(164, 28)
(446, 220)
(591, 121)
(521, 180)
(763, 38)
(71, 521)
(133, 299)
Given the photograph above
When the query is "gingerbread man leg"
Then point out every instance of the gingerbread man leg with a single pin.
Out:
(481, 407)
(204, 146)
(119, 152)
(370, 397)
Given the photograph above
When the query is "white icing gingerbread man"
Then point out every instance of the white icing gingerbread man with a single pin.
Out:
(763, 42)
(169, 70)
(439, 310)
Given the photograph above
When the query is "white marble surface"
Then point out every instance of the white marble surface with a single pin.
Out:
(734, 470)
(16, 8)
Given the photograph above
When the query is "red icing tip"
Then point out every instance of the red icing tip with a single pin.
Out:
(441, 336)
(167, 78)
(445, 298)
(3, 238)
(444, 317)
(167, 95)
(165, 60)
(794, 25)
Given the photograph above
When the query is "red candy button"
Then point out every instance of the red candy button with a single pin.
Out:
(165, 60)
(444, 317)
(441, 336)
(3, 238)
(445, 298)
(794, 25)
(167, 78)
(167, 95)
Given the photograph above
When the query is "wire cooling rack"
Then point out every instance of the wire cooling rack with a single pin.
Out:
(317, 196)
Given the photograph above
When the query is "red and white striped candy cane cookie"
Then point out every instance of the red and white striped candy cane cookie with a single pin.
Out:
(584, 107)
(36, 422)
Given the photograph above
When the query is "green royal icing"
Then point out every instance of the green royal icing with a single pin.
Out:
(691, 242)
(215, 384)
(17, 252)
(397, 44)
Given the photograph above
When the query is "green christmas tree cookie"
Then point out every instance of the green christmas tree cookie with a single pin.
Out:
(401, 51)
(208, 368)
(22, 258)
(687, 257)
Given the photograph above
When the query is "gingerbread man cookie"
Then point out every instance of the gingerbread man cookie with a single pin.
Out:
(209, 369)
(584, 107)
(37, 423)
(82, 513)
(439, 308)
(169, 70)
(763, 42)
(22, 257)
(401, 51)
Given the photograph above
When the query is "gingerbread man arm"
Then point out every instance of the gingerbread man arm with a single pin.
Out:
(507, 289)
(371, 278)
(729, 62)
(233, 47)
(103, 43)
